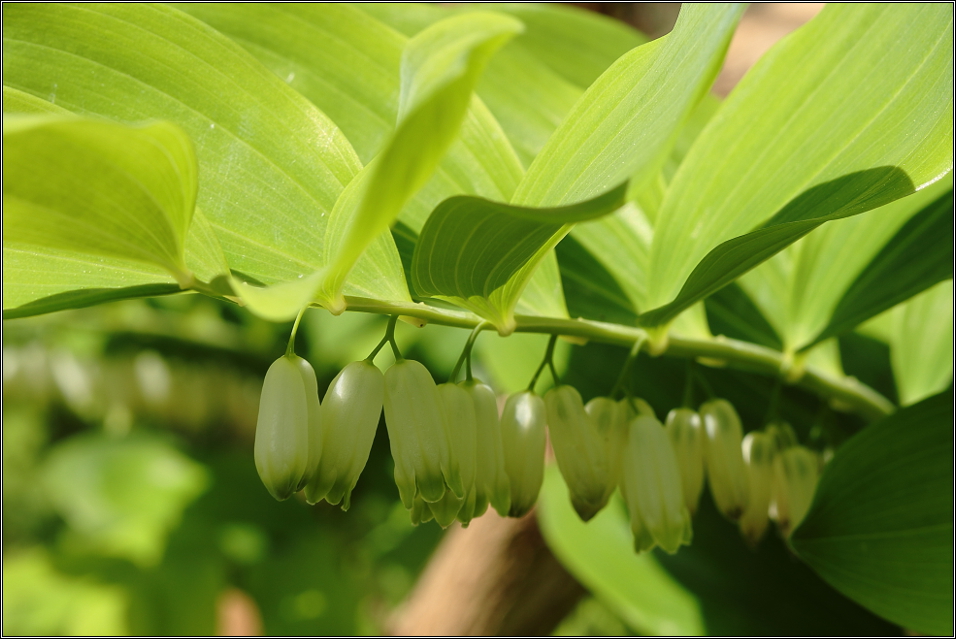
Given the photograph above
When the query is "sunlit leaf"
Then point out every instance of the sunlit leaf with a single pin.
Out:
(313, 48)
(621, 111)
(43, 279)
(881, 525)
(101, 188)
(862, 115)
(271, 165)
(480, 254)
(440, 67)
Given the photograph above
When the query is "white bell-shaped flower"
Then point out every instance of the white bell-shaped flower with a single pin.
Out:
(523, 440)
(415, 419)
(686, 435)
(609, 422)
(651, 486)
(491, 480)
(759, 450)
(350, 413)
(289, 417)
(580, 450)
(726, 472)
(796, 471)
(460, 427)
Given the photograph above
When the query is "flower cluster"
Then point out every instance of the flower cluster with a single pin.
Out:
(455, 456)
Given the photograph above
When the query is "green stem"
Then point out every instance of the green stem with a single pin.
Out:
(390, 336)
(548, 354)
(735, 353)
(628, 363)
(290, 349)
(705, 384)
(688, 401)
(466, 353)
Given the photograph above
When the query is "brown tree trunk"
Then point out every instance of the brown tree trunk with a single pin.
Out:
(496, 577)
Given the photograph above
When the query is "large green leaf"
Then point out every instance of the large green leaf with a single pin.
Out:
(481, 254)
(440, 67)
(101, 188)
(271, 164)
(881, 525)
(918, 256)
(625, 109)
(861, 115)
(43, 279)
(314, 49)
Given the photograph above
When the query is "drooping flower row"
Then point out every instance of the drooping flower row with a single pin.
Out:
(454, 455)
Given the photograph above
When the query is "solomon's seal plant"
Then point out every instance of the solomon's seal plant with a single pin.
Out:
(532, 169)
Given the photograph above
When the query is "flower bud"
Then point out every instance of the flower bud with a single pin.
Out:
(726, 472)
(491, 481)
(350, 413)
(796, 471)
(288, 406)
(522, 440)
(581, 452)
(652, 489)
(687, 439)
(415, 420)
(759, 450)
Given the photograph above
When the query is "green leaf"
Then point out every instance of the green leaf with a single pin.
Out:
(800, 287)
(881, 525)
(732, 313)
(626, 123)
(578, 45)
(862, 116)
(314, 49)
(440, 67)
(480, 254)
(920, 336)
(41, 280)
(271, 164)
(101, 188)
(918, 256)
(622, 111)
